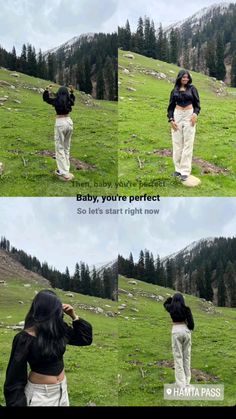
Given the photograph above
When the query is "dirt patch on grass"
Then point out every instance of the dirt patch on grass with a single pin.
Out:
(129, 150)
(197, 375)
(206, 166)
(78, 164)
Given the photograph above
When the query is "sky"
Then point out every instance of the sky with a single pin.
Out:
(51, 230)
(180, 222)
(161, 11)
(49, 23)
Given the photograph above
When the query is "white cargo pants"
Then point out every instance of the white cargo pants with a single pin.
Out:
(63, 133)
(181, 347)
(47, 395)
(183, 140)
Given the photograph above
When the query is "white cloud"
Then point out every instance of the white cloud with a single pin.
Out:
(51, 230)
(159, 10)
(179, 222)
(48, 23)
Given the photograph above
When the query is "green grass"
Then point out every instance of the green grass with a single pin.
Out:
(143, 128)
(91, 371)
(28, 128)
(145, 340)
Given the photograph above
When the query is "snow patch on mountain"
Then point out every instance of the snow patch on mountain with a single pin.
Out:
(201, 17)
(188, 249)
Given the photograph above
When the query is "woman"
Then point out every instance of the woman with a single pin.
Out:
(181, 337)
(183, 110)
(42, 344)
(62, 103)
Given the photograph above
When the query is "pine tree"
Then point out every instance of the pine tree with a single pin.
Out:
(51, 67)
(211, 58)
(233, 71)
(174, 46)
(23, 60)
(109, 75)
(140, 266)
(100, 85)
(220, 284)
(88, 83)
(127, 37)
(139, 38)
(13, 61)
(220, 65)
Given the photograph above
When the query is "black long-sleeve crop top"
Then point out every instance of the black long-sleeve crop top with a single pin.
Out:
(184, 316)
(59, 110)
(25, 350)
(183, 98)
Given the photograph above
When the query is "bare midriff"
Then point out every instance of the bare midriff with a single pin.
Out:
(62, 116)
(37, 378)
(182, 108)
(179, 323)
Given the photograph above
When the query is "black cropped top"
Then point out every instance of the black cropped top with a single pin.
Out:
(183, 98)
(52, 101)
(185, 314)
(25, 350)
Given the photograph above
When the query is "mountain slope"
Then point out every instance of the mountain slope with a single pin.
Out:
(9, 266)
(145, 357)
(27, 141)
(199, 19)
(94, 367)
(70, 45)
(190, 249)
(145, 161)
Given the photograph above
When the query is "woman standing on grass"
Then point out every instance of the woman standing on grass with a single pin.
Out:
(62, 103)
(181, 337)
(42, 344)
(183, 109)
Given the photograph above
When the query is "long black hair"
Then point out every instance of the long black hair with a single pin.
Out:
(177, 306)
(179, 77)
(46, 318)
(63, 101)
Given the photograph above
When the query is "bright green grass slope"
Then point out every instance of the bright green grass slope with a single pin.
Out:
(143, 128)
(28, 128)
(145, 340)
(91, 370)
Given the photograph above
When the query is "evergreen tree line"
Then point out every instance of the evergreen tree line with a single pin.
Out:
(100, 283)
(209, 271)
(90, 65)
(205, 51)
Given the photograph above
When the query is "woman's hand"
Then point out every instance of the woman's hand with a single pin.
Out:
(71, 88)
(174, 126)
(193, 119)
(49, 87)
(68, 309)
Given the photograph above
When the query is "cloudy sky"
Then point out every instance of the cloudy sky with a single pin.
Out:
(161, 11)
(51, 230)
(49, 23)
(180, 222)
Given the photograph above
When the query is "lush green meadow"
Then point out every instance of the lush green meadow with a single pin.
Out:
(145, 356)
(91, 370)
(144, 132)
(27, 131)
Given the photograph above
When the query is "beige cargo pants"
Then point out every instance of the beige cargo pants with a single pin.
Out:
(181, 347)
(183, 140)
(47, 395)
(62, 134)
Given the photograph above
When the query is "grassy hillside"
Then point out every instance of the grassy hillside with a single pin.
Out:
(91, 371)
(145, 139)
(27, 141)
(145, 356)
